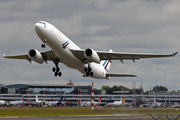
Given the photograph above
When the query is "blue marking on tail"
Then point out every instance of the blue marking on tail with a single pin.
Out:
(105, 63)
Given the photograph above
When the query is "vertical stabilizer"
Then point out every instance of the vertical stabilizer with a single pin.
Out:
(61, 99)
(154, 100)
(106, 63)
(36, 98)
(124, 100)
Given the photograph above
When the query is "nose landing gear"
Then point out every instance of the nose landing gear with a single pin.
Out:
(43, 45)
(44, 40)
(56, 61)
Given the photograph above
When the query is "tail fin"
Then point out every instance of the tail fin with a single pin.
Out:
(61, 99)
(121, 98)
(124, 100)
(154, 100)
(36, 98)
(99, 99)
(21, 97)
(106, 63)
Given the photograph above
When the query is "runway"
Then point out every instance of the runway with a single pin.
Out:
(84, 117)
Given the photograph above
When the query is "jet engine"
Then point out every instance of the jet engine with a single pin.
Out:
(92, 55)
(35, 56)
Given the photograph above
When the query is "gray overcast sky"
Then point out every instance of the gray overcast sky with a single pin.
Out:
(124, 26)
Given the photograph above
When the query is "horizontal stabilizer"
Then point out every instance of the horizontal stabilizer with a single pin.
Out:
(120, 75)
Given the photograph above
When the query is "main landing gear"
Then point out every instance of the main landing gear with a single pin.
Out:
(56, 69)
(88, 70)
(56, 72)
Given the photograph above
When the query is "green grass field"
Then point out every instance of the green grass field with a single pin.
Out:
(65, 111)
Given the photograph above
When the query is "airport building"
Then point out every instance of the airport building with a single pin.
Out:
(70, 92)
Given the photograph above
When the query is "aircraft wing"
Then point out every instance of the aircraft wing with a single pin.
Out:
(131, 56)
(47, 55)
(120, 75)
(16, 56)
(120, 55)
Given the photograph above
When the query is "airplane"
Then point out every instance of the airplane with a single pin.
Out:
(2, 102)
(54, 103)
(89, 103)
(38, 102)
(157, 103)
(117, 103)
(70, 103)
(176, 105)
(91, 63)
(16, 102)
(124, 102)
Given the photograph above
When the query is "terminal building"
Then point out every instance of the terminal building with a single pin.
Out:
(71, 92)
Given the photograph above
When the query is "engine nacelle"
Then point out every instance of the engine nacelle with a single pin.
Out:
(92, 55)
(35, 56)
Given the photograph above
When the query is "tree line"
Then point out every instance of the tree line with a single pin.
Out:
(109, 90)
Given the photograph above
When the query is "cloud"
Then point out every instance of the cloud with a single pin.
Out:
(124, 26)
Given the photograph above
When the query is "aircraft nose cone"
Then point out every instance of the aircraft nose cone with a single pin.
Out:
(40, 30)
(37, 27)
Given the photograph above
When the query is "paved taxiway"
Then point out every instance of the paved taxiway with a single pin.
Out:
(83, 117)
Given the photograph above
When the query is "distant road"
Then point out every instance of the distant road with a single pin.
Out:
(84, 117)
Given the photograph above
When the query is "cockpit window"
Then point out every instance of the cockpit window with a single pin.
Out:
(43, 23)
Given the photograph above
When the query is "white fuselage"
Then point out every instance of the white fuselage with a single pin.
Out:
(89, 103)
(116, 103)
(61, 46)
(20, 102)
(2, 102)
(53, 102)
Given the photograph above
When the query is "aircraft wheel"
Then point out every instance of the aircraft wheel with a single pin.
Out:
(85, 69)
(60, 74)
(87, 74)
(91, 73)
(53, 69)
(55, 74)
